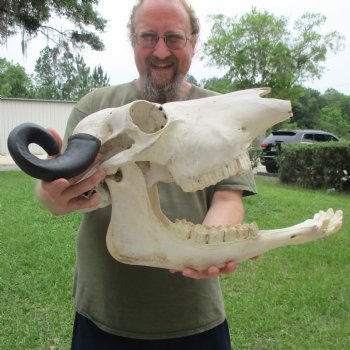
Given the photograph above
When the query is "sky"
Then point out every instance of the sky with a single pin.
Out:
(117, 59)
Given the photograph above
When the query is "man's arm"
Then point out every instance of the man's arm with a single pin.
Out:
(226, 209)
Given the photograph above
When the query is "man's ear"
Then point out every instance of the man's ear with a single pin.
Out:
(194, 41)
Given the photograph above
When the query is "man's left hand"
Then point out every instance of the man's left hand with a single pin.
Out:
(211, 272)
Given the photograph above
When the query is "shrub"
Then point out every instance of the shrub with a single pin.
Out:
(319, 165)
(255, 154)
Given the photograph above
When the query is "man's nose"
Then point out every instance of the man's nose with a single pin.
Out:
(161, 49)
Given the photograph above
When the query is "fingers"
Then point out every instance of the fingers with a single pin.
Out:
(79, 188)
(66, 197)
(90, 171)
(57, 137)
(211, 272)
(229, 268)
(80, 203)
(62, 196)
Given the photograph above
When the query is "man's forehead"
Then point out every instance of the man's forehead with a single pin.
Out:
(170, 14)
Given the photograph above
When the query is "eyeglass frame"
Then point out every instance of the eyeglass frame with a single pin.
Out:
(164, 37)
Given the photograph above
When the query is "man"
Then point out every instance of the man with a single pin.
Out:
(121, 306)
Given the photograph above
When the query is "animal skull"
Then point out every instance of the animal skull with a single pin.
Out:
(195, 144)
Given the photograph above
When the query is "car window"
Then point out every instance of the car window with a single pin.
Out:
(281, 136)
(320, 137)
(297, 136)
(330, 138)
(308, 138)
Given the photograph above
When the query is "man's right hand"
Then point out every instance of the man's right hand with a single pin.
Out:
(63, 196)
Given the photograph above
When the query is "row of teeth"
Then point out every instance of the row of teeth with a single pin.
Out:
(161, 65)
(236, 167)
(211, 235)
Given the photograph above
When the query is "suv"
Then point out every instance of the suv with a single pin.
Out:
(272, 143)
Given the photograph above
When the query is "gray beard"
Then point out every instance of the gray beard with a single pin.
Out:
(161, 94)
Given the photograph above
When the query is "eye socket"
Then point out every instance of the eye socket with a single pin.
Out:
(147, 39)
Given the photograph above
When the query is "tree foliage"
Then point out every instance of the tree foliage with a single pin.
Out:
(307, 108)
(335, 113)
(65, 76)
(32, 18)
(14, 81)
(258, 49)
(332, 119)
(222, 85)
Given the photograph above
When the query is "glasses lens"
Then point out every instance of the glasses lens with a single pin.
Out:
(175, 41)
(147, 39)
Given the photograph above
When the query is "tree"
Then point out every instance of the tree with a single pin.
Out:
(306, 108)
(14, 81)
(99, 78)
(335, 113)
(332, 120)
(336, 99)
(259, 50)
(32, 18)
(65, 76)
(221, 85)
(46, 74)
(75, 77)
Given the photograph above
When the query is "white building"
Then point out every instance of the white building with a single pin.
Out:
(46, 113)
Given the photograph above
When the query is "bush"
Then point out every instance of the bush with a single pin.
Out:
(319, 165)
(255, 154)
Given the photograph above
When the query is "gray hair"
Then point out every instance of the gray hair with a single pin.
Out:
(194, 22)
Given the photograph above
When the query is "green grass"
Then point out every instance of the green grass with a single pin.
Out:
(296, 297)
(37, 260)
(291, 298)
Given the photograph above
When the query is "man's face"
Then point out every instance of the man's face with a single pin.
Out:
(161, 65)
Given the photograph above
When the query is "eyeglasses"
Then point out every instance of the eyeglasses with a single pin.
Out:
(149, 40)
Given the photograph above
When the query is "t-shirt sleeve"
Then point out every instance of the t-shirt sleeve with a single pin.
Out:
(79, 112)
(245, 183)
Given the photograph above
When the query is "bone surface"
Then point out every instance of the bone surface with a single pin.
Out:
(158, 242)
(195, 144)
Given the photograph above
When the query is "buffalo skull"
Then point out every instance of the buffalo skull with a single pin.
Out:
(195, 144)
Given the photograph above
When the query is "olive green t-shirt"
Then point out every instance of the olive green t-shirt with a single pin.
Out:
(137, 301)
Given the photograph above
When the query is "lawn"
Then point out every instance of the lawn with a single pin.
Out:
(291, 298)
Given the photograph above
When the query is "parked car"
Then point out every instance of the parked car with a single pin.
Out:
(272, 143)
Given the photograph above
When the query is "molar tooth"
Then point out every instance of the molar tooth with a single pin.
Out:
(253, 230)
(230, 234)
(200, 234)
(216, 235)
(243, 231)
(185, 230)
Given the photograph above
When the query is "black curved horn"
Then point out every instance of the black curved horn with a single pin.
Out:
(79, 155)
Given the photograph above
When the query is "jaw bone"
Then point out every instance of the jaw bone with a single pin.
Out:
(149, 238)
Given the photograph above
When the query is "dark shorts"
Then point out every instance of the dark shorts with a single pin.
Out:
(87, 336)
